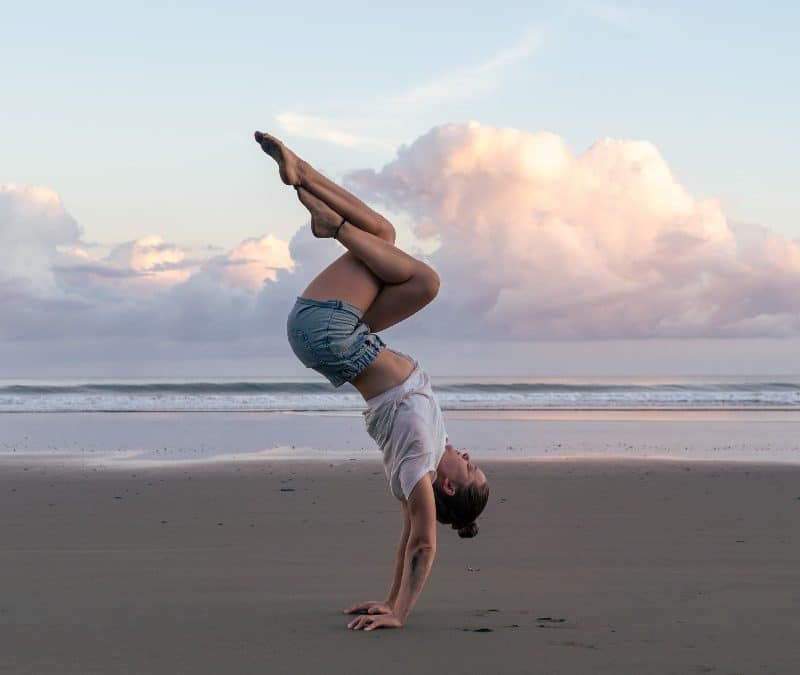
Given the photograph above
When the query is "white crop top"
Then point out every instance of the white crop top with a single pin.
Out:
(407, 424)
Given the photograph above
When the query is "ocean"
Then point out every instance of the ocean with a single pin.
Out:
(453, 393)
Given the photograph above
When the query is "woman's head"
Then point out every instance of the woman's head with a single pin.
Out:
(461, 492)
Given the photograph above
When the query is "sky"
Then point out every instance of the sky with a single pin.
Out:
(617, 176)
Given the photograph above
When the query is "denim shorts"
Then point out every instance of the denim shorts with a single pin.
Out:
(330, 337)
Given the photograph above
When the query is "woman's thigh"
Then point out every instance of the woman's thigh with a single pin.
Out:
(347, 279)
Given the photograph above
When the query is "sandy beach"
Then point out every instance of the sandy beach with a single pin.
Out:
(600, 566)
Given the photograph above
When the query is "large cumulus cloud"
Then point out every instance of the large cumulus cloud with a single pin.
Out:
(537, 242)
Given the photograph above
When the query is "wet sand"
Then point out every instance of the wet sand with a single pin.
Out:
(601, 566)
(143, 439)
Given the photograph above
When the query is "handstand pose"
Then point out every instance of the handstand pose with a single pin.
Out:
(332, 329)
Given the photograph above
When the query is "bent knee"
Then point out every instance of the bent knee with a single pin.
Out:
(386, 230)
(428, 282)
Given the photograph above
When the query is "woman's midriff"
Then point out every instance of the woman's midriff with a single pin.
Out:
(387, 370)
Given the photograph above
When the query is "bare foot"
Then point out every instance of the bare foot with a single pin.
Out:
(324, 220)
(288, 162)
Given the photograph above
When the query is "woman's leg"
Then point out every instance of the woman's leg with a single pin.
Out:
(346, 204)
(298, 172)
(388, 288)
(379, 278)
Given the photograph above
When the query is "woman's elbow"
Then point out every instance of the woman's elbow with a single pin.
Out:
(425, 544)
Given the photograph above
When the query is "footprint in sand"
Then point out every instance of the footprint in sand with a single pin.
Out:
(549, 621)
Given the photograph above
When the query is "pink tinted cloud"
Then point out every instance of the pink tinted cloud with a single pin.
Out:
(543, 243)
(39, 237)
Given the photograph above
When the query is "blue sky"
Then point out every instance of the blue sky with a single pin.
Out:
(140, 115)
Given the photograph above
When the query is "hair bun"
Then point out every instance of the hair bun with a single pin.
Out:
(468, 531)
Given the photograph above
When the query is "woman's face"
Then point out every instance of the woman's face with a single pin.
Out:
(456, 467)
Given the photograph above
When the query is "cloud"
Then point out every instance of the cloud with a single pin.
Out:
(533, 243)
(459, 84)
(539, 243)
(54, 286)
(467, 82)
(252, 262)
(149, 264)
(339, 132)
(33, 227)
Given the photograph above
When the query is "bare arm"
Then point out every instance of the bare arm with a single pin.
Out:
(420, 549)
(415, 564)
(400, 557)
(385, 606)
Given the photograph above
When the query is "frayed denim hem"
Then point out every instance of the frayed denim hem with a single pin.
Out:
(339, 374)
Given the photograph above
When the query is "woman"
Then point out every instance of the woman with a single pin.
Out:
(333, 329)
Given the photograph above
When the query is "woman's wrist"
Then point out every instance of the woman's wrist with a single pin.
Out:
(401, 616)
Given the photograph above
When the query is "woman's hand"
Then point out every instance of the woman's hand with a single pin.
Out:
(371, 622)
(369, 607)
